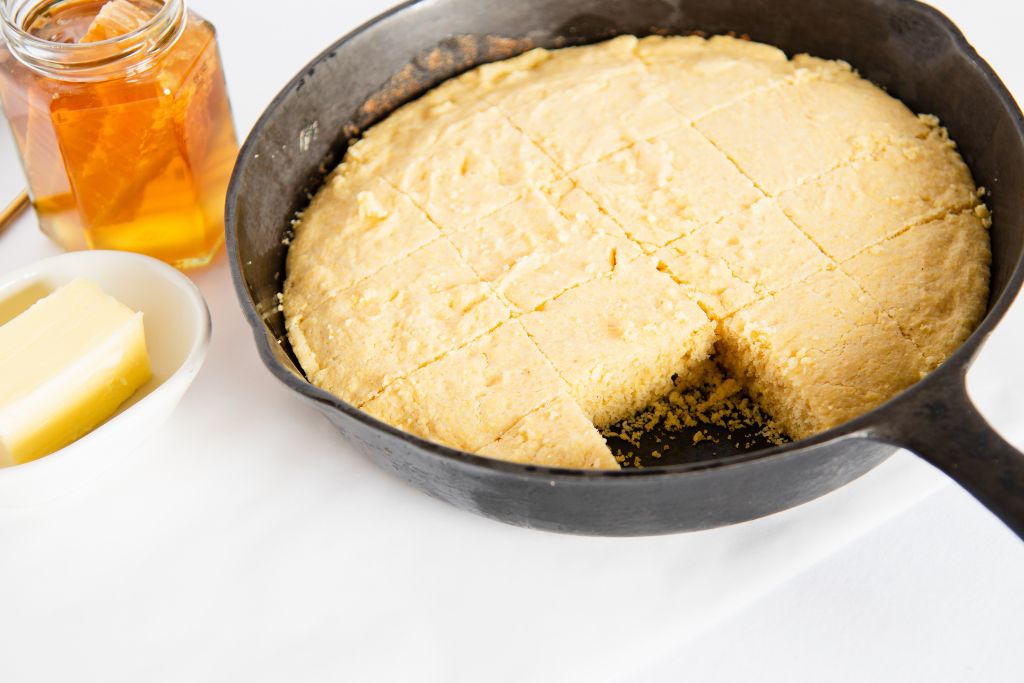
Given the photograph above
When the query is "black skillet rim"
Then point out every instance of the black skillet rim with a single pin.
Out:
(859, 427)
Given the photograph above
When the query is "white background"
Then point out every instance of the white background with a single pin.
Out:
(245, 541)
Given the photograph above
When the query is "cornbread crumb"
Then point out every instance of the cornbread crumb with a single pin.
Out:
(706, 403)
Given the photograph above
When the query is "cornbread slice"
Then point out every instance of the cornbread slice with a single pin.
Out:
(389, 324)
(818, 353)
(939, 301)
(708, 281)
(759, 248)
(829, 114)
(663, 189)
(530, 251)
(472, 167)
(700, 74)
(418, 124)
(906, 181)
(618, 340)
(557, 434)
(608, 114)
(356, 225)
(473, 395)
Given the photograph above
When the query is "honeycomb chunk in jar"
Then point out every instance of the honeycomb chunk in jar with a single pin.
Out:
(129, 143)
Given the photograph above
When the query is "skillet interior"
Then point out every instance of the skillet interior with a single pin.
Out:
(903, 46)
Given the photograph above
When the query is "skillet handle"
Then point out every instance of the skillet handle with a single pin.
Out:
(942, 426)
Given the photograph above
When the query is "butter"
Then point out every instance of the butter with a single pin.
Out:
(66, 364)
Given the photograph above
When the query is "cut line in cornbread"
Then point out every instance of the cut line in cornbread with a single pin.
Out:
(356, 225)
(781, 137)
(629, 96)
(662, 189)
(542, 245)
(701, 75)
(473, 395)
(710, 282)
(476, 165)
(937, 314)
(904, 181)
(556, 434)
(760, 251)
(391, 323)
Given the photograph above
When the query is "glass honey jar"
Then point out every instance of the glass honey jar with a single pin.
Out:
(121, 117)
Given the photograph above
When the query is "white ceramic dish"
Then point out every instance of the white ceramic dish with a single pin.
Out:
(177, 323)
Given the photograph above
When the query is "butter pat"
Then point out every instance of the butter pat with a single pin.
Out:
(66, 364)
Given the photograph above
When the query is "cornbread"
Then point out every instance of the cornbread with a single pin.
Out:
(545, 246)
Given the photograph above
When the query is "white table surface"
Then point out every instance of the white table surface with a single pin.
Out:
(246, 541)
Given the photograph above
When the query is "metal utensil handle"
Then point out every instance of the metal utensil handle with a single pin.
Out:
(943, 427)
(14, 209)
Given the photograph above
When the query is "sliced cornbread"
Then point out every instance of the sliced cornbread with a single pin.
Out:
(759, 249)
(475, 165)
(702, 75)
(904, 181)
(822, 118)
(630, 97)
(708, 281)
(541, 245)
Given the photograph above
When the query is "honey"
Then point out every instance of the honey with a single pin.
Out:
(121, 116)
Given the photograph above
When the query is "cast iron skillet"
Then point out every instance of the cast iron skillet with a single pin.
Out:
(904, 46)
